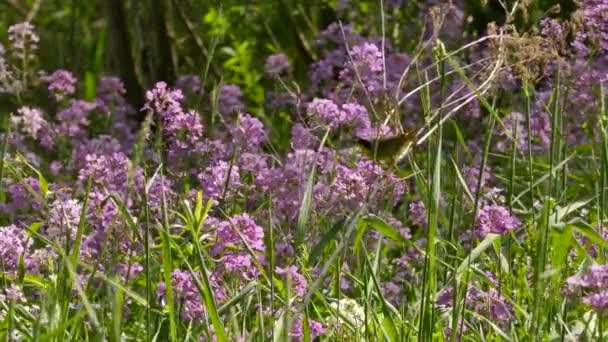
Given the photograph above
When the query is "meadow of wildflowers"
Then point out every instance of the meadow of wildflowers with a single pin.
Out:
(244, 210)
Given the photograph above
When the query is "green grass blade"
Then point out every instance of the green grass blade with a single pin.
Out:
(167, 263)
(207, 291)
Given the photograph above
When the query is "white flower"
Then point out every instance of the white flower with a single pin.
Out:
(347, 312)
(29, 120)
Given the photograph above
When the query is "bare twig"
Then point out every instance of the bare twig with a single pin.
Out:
(33, 11)
(117, 23)
(198, 41)
(15, 5)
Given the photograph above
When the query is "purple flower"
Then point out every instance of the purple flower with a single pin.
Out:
(284, 250)
(445, 298)
(495, 219)
(579, 45)
(599, 301)
(248, 132)
(61, 83)
(12, 293)
(102, 145)
(14, 244)
(328, 112)
(298, 282)
(552, 30)
(214, 180)
(92, 244)
(187, 296)
(40, 259)
(366, 131)
(392, 292)
(488, 303)
(396, 63)
(252, 162)
(74, 119)
(109, 172)
(515, 128)
(417, 212)
(230, 99)
(24, 41)
(277, 64)
(471, 176)
(55, 167)
(452, 22)
(316, 329)
(161, 185)
(325, 71)
(473, 295)
(325, 74)
(302, 138)
(499, 309)
(460, 91)
(356, 114)
(235, 262)
(349, 190)
(540, 125)
(231, 237)
(116, 110)
(8, 82)
(62, 221)
(365, 64)
(128, 270)
(183, 131)
(397, 224)
(594, 15)
(287, 183)
(110, 89)
(333, 34)
(368, 56)
(163, 100)
(20, 196)
(188, 84)
(246, 226)
(280, 100)
(30, 121)
(596, 278)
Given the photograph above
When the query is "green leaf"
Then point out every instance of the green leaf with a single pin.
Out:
(561, 245)
(44, 186)
(279, 326)
(329, 236)
(562, 212)
(205, 287)
(81, 223)
(34, 228)
(388, 324)
(476, 252)
(237, 298)
(132, 294)
(306, 206)
(385, 229)
(117, 309)
(305, 327)
(89, 85)
(36, 281)
(590, 233)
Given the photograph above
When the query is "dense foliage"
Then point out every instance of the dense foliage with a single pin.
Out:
(182, 171)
